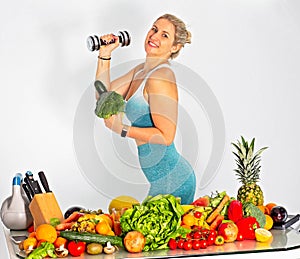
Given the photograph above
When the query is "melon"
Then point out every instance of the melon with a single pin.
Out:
(122, 202)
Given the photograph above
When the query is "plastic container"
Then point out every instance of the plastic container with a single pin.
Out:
(15, 213)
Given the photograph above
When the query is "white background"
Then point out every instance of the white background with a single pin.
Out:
(247, 52)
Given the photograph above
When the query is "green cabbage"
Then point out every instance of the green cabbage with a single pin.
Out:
(158, 218)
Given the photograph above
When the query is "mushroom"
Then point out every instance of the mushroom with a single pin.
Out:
(109, 249)
(61, 252)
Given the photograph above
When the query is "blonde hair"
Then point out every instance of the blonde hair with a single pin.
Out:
(182, 35)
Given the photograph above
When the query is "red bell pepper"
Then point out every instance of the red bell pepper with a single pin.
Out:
(235, 211)
(247, 227)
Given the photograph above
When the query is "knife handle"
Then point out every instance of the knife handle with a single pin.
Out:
(26, 189)
(44, 181)
(29, 185)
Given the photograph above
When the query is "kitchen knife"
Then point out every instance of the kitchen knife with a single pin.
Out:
(30, 187)
(26, 189)
(44, 181)
(33, 185)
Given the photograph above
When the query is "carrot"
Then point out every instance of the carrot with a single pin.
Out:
(64, 226)
(216, 222)
(73, 217)
(218, 209)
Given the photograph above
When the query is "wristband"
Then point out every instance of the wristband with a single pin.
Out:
(104, 58)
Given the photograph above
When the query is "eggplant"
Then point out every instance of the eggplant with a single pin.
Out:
(279, 214)
(72, 209)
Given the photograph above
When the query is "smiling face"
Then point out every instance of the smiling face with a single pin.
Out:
(159, 40)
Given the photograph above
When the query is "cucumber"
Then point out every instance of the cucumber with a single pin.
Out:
(92, 238)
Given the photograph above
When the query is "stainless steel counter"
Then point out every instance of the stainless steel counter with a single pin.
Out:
(284, 243)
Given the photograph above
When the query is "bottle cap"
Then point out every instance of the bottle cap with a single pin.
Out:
(17, 180)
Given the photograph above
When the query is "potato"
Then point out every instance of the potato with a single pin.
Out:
(94, 249)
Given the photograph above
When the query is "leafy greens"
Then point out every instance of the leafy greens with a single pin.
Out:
(158, 218)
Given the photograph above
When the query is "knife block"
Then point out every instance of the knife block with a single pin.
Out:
(43, 207)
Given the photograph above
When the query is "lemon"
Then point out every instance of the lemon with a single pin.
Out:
(262, 235)
(187, 208)
(122, 202)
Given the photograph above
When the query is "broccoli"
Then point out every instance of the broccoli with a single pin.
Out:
(109, 103)
(251, 210)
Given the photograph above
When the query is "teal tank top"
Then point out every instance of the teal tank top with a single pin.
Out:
(137, 108)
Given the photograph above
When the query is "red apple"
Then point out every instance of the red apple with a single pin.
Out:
(229, 231)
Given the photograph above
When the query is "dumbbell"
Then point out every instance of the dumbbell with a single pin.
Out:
(94, 42)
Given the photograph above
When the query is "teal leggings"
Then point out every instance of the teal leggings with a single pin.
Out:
(167, 171)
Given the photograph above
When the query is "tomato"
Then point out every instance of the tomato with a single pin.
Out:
(197, 214)
(211, 239)
(172, 244)
(188, 236)
(197, 235)
(213, 233)
(203, 244)
(76, 248)
(180, 243)
(30, 229)
(196, 244)
(205, 232)
(187, 245)
(240, 237)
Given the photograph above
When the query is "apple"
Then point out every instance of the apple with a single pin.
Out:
(229, 231)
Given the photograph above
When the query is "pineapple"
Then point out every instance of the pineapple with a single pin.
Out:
(248, 170)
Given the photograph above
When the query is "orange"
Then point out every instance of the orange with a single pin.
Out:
(46, 232)
(107, 218)
(30, 243)
(103, 228)
(111, 233)
(60, 242)
(188, 220)
(269, 206)
(32, 234)
(262, 208)
(262, 235)
(269, 222)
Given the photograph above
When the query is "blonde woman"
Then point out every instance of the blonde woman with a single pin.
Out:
(151, 96)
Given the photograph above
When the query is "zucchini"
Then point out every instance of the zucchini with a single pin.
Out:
(92, 238)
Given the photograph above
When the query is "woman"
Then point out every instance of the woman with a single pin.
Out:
(151, 96)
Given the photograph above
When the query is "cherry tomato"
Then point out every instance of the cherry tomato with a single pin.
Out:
(180, 243)
(76, 248)
(197, 214)
(203, 244)
(211, 239)
(205, 232)
(187, 245)
(240, 237)
(196, 244)
(172, 244)
(213, 233)
(188, 236)
(30, 229)
(197, 235)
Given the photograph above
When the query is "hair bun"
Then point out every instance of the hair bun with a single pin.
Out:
(188, 37)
